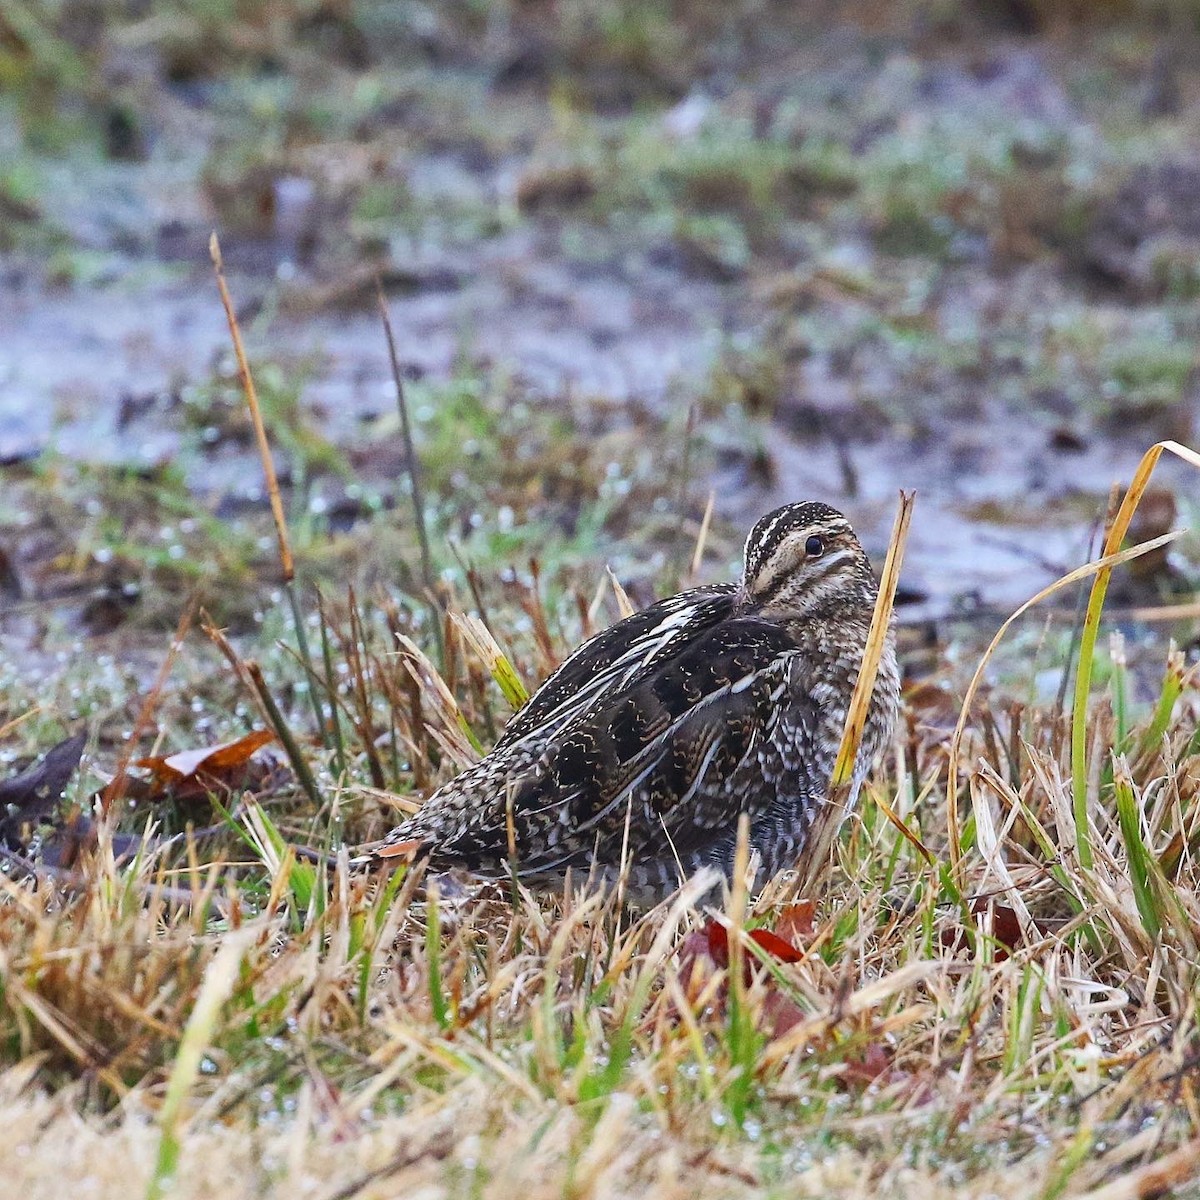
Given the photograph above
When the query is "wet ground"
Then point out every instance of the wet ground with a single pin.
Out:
(958, 259)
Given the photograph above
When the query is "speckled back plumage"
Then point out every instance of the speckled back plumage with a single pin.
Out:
(657, 733)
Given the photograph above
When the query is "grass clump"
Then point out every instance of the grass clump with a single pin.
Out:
(1022, 1007)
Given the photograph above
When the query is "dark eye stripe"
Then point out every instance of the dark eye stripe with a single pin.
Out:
(816, 571)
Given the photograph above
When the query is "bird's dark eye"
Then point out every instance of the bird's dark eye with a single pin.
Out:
(814, 547)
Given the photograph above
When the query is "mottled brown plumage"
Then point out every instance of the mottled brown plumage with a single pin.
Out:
(657, 733)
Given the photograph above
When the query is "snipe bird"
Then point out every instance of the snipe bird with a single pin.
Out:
(649, 741)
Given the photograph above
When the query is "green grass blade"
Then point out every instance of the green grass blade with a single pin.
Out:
(1128, 814)
(433, 959)
(215, 988)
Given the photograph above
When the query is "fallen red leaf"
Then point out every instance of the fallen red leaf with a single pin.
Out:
(873, 1064)
(1006, 928)
(707, 950)
(781, 1013)
(717, 941)
(717, 938)
(777, 947)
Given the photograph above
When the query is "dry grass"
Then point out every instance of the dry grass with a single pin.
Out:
(1027, 1028)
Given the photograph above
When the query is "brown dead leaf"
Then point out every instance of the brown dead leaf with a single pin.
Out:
(932, 704)
(1006, 929)
(29, 802)
(209, 760)
(563, 186)
(796, 923)
(405, 851)
(195, 774)
(30, 798)
(871, 1064)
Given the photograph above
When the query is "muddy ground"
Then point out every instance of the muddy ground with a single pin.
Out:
(634, 254)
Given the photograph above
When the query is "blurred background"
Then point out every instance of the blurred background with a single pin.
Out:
(637, 253)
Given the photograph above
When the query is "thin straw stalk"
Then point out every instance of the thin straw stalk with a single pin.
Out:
(287, 562)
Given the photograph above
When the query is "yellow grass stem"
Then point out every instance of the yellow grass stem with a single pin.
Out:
(860, 701)
(702, 536)
(816, 853)
(414, 472)
(478, 637)
(264, 449)
(1091, 629)
(286, 562)
(624, 604)
(1155, 1178)
(452, 731)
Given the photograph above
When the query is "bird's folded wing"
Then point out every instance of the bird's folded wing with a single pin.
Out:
(675, 757)
(607, 662)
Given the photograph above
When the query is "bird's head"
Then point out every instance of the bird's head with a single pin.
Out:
(803, 559)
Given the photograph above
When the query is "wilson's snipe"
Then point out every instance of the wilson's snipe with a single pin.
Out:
(653, 737)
